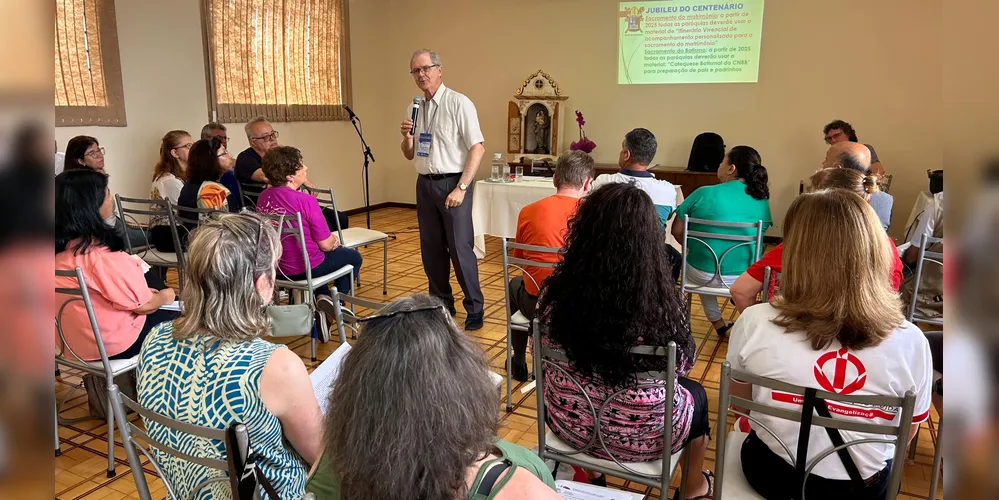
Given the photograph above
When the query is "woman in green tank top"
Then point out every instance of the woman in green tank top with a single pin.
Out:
(414, 414)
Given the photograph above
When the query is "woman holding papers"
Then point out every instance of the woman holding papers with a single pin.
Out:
(211, 367)
(126, 299)
(413, 415)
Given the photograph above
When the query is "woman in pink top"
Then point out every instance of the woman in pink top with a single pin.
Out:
(286, 173)
(126, 300)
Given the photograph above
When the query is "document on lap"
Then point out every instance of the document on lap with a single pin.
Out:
(324, 376)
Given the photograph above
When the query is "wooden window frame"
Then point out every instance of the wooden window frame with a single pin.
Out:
(244, 112)
(113, 114)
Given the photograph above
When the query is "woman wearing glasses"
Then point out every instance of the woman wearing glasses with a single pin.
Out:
(212, 367)
(413, 414)
(84, 152)
(206, 163)
(168, 181)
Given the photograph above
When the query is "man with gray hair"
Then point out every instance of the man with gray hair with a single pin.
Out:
(857, 156)
(446, 152)
(544, 223)
(215, 130)
(249, 167)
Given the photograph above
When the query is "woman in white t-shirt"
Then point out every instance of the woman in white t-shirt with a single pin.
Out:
(835, 325)
(168, 179)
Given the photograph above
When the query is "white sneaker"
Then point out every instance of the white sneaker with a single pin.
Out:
(328, 307)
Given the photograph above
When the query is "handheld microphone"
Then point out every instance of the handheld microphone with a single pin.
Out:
(414, 113)
(349, 111)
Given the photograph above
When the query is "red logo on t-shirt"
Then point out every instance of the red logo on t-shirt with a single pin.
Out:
(849, 374)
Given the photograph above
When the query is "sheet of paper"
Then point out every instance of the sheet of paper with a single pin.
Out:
(571, 490)
(324, 376)
(175, 306)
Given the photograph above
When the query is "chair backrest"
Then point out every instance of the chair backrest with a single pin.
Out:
(935, 258)
(326, 198)
(547, 359)
(129, 208)
(899, 432)
(135, 440)
(350, 304)
(771, 278)
(290, 226)
(754, 242)
(192, 217)
(249, 192)
(518, 263)
(79, 292)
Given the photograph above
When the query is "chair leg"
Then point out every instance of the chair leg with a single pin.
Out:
(937, 458)
(509, 370)
(910, 456)
(58, 450)
(110, 437)
(314, 335)
(385, 267)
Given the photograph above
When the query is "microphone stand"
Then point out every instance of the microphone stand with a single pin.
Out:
(354, 120)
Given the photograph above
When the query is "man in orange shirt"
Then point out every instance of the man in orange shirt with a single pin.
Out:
(544, 223)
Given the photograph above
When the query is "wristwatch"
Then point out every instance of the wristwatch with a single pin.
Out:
(462, 186)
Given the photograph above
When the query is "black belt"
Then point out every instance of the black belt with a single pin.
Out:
(437, 177)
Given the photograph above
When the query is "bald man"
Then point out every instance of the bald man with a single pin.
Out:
(856, 156)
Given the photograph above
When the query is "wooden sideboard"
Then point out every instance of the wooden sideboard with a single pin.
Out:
(688, 181)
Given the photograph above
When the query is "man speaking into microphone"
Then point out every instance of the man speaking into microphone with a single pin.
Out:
(445, 144)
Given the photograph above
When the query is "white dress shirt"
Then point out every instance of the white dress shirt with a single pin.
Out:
(452, 120)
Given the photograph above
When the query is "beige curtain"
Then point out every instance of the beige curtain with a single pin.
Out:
(88, 88)
(284, 59)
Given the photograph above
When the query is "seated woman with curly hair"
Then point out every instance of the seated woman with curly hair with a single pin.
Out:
(614, 291)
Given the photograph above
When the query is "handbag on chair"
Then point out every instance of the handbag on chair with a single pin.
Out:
(291, 320)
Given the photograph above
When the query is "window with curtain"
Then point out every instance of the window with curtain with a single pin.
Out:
(285, 59)
(88, 88)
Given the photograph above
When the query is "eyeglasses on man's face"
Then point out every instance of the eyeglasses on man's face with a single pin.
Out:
(266, 138)
(423, 69)
(97, 153)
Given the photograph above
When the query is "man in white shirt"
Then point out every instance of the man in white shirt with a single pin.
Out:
(637, 152)
(446, 152)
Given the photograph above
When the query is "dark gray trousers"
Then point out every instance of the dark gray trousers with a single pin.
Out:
(446, 237)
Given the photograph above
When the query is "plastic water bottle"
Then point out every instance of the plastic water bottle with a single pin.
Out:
(497, 167)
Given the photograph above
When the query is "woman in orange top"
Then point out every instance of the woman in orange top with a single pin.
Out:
(125, 299)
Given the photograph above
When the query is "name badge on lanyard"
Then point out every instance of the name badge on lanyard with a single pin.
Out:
(423, 147)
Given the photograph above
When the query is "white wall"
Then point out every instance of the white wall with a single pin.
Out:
(875, 64)
(163, 71)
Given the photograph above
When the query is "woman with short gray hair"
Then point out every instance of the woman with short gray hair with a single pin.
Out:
(414, 414)
(211, 366)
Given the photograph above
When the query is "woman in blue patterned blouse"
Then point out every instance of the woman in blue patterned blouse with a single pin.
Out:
(210, 367)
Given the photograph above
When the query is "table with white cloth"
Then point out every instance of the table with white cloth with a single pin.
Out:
(496, 205)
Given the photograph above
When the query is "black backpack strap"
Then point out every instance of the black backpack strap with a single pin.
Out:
(245, 476)
(801, 456)
(844, 453)
(813, 404)
(496, 468)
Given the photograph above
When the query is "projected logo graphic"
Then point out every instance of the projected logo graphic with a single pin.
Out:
(633, 16)
(848, 374)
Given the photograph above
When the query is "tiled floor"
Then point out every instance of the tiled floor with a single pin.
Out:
(80, 471)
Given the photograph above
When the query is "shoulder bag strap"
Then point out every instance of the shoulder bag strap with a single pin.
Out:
(844, 453)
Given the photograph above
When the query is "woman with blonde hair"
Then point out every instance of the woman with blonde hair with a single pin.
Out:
(750, 283)
(212, 366)
(836, 326)
(169, 177)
